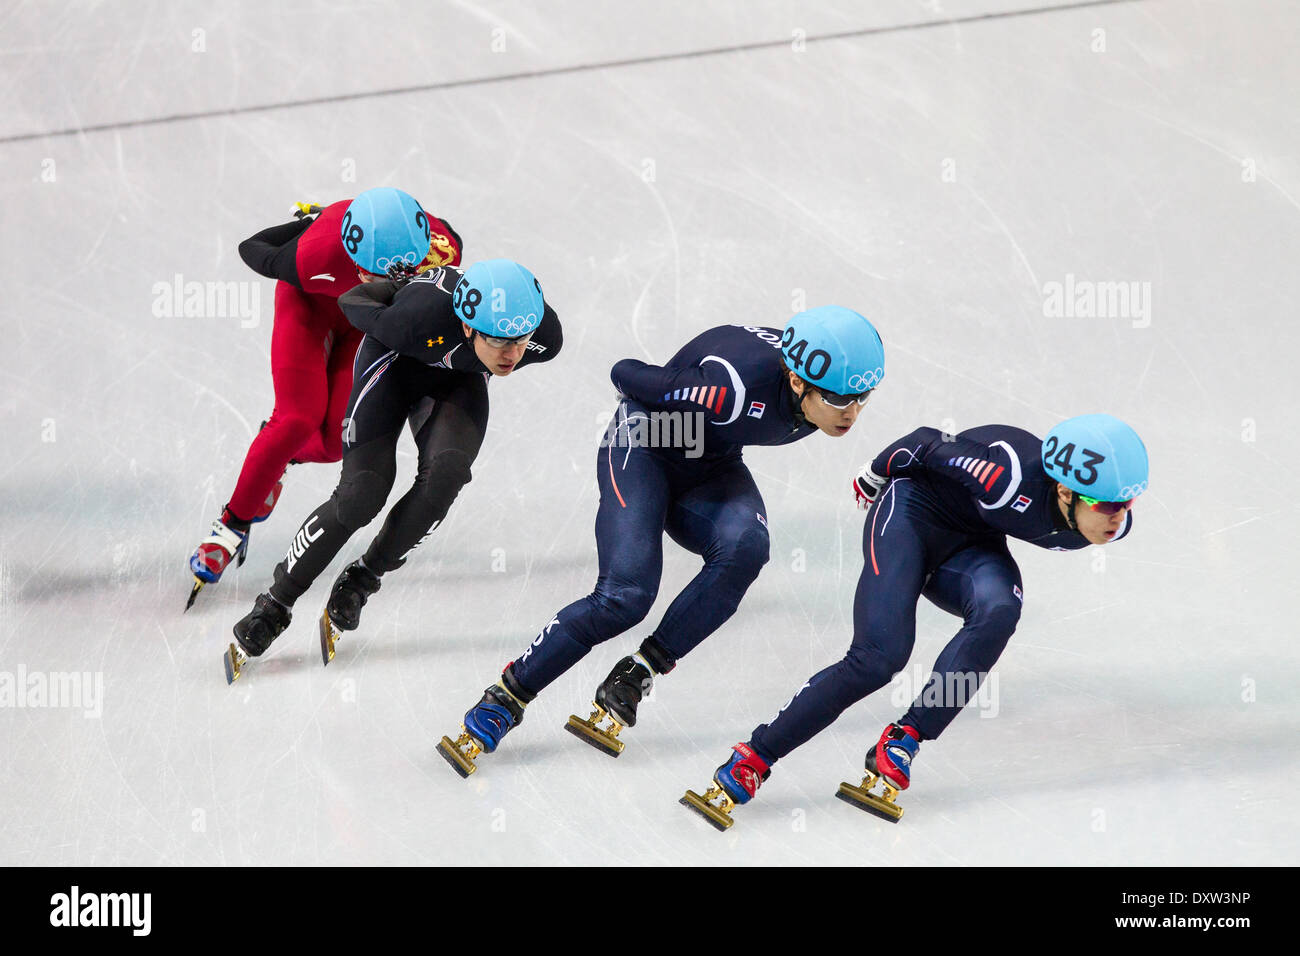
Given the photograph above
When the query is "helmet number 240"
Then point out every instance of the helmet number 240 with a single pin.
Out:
(812, 368)
(1061, 459)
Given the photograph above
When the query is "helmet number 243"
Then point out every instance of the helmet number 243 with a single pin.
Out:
(1061, 459)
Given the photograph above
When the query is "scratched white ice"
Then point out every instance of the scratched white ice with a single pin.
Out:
(939, 179)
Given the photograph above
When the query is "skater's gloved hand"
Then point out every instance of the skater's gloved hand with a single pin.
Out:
(301, 210)
(866, 486)
(402, 271)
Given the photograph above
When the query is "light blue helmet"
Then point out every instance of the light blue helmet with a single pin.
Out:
(499, 297)
(1098, 456)
(834, 348)
(382, 227)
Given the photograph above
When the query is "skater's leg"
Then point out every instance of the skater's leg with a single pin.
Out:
(724, 520)
(298, 372)
(448, 440)
(982, 584)
(373, 424)
(634, 498)
(884, 625)
(326, 443)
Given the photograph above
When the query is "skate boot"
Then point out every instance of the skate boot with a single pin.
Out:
(734, 783)
(889, 763)
(343, 610)
(616, 700)
(255, 632)
(500, 710)
(227, 541)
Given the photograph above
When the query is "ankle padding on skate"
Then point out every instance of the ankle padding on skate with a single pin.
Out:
(656, 655)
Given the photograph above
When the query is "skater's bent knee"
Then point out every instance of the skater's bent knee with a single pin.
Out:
(624, 606)
(1000, 618)
(449, 468)
(752, 549)
(294, 427)
(360, 497)
(331, 443)
(871, 667)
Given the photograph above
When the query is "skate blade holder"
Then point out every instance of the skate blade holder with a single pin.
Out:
(604, 739)
(462, 761)
(718, 814)
(234, 661)
(881, 804)
(328, 635)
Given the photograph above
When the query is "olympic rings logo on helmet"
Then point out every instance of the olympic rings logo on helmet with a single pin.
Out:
(384, 263)
(517, 325)
(863, 383)
(1132, 491)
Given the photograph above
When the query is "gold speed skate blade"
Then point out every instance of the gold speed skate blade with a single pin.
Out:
(718, 814)
(234, 660)
(328, 635)
(462, 761)
(194, 592)
(881, 805)
(604, 739)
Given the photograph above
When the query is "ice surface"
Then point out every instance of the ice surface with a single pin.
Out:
(936, 179)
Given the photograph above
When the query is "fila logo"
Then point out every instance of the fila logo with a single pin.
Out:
(298, 546)
(1022, 503)
(756, 409)
(1015, 589)
(324, 275)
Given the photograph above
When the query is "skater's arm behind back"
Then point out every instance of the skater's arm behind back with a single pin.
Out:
(273, 252)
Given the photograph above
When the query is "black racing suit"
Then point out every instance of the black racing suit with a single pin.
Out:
(414, 363)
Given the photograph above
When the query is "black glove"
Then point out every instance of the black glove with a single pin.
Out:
(402, 272)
